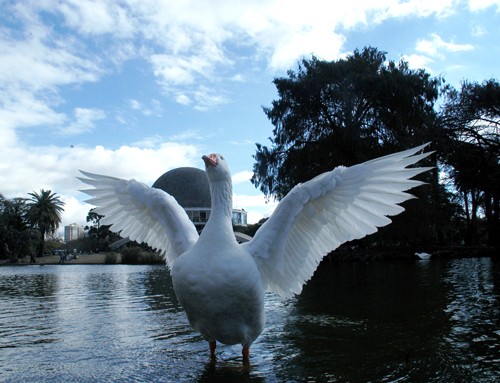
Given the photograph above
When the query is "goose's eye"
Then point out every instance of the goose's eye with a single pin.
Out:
(221, 157)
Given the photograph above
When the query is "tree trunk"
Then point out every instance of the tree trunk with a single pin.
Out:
(471, 236)
(41, 243)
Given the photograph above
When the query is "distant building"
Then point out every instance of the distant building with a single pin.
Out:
(239, 217)
(73, 231)
(189, 186)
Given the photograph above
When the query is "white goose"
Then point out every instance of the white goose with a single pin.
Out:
(220, 283)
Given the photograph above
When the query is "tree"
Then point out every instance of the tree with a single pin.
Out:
(95, 219)
(103, 236)
(471, 150)
(45, 214)
(342, 112)
(345, 112)
(15, 232)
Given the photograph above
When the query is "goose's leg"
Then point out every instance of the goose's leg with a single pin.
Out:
(212, 345)
(246, 353)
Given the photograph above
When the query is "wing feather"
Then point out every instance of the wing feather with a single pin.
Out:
(335, 207)
(141, 213)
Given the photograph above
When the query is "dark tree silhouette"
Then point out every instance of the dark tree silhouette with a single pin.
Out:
(345, 112)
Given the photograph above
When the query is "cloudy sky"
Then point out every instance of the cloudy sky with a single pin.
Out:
(134, 88)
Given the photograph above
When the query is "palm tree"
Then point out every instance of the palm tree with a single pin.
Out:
(45, 214)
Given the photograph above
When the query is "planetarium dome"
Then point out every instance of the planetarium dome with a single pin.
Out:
(189, 186)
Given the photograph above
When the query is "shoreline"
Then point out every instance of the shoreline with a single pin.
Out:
(387, 254)
(81, 259)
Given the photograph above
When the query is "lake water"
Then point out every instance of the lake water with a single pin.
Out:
(422, 321)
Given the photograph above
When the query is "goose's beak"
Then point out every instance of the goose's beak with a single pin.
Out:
(210, 160)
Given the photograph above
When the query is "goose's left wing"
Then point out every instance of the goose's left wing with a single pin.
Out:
(335, 207)
(141, 213)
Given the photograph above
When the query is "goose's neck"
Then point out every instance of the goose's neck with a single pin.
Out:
(219, 225)
(222, 200)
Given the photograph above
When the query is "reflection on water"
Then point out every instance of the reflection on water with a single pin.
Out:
(427, 321)
(474, 313)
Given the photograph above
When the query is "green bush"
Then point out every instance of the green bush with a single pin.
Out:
(138, 256)
(110, 258)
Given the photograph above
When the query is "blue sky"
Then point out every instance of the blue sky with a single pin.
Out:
(135, 88)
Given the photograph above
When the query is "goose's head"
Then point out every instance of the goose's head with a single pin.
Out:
(216, 167)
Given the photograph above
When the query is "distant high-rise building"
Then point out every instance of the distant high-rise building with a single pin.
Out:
(73, 231)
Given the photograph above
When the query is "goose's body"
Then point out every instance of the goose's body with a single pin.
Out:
(220, 283)
(219, 287)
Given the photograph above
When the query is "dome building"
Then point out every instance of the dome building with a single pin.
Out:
(189, 186)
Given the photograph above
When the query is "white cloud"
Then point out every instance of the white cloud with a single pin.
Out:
(418, 61)
(419, 8)
(479, 5)
(435, 45)
(41, 60)
(238, 78)
(36, 62)
(324, 44)
(149, 142)
(207, 98)
(172, 70)
(243, 176)
(182, 76)
(433, 49)
(22, 108)
(93, 17)
(84, 121)
(183, 99)
(186, 135)
(478, 31)
(187, 43)
(55, 168)
(154, 109)
(134, 104)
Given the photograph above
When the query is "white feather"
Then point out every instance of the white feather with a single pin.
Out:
(335, 207)
(142, 213)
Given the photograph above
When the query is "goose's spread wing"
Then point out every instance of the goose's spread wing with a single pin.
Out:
(335, 207)
(142, 213)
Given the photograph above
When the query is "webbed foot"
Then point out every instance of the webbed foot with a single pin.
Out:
(213, 345)
(246, 354)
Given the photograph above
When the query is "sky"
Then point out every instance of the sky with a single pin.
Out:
(135, 88)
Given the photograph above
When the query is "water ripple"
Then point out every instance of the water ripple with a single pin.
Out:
(364, 322)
